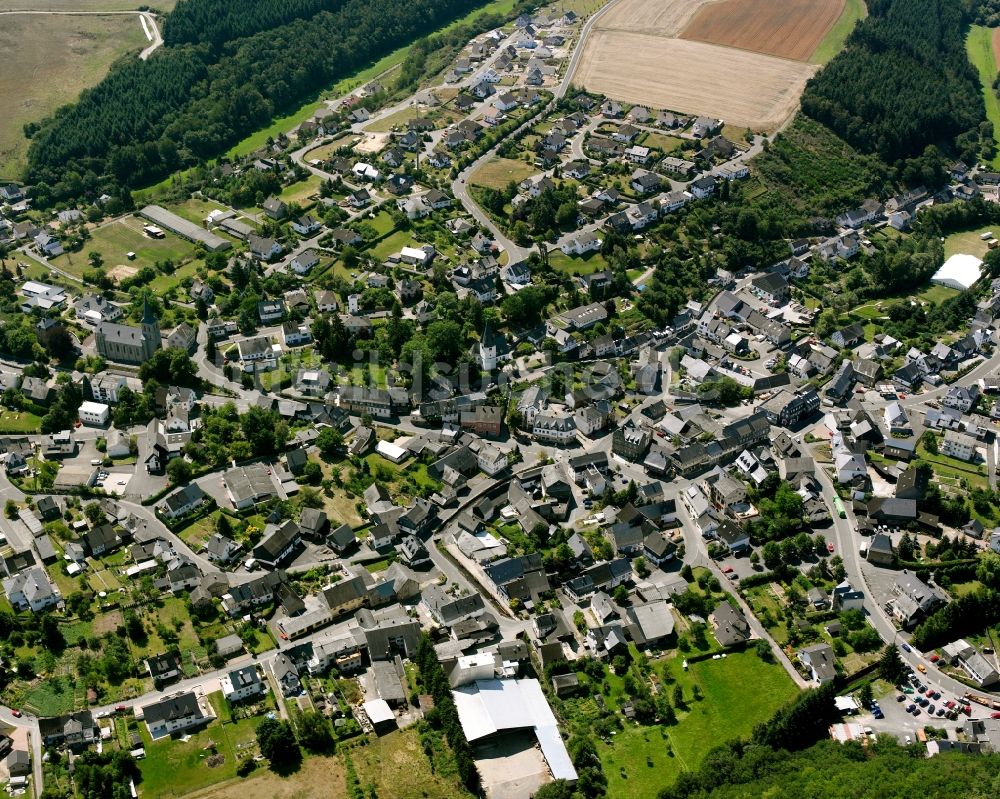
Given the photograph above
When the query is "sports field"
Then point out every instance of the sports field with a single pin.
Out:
(47, 60)
(785, 28)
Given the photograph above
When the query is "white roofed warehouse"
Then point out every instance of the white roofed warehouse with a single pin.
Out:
(503, 720)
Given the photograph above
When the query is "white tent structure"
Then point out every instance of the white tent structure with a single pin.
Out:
(959, 272)
(486, 707)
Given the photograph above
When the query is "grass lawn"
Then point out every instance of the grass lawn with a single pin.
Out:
(19, 422)
(979, 46)
(397, 767)
(195, 209)
(163, 283)
(338, 506)
(833, 42)
(382, 223)
(176, 768)
(122, 236)
(577, 265)
(172, 610)
(953, 469)
(391, 244)
(302, 191)
(196, 534)
(936, 294)
(396, 120)
(665, 143)
(498, 172)
(968, 242)
(47, 61)
(739, 691)
(316, 778)
(324, 151)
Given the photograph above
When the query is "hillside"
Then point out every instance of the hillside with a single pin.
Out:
(190, 101)
(834, 771)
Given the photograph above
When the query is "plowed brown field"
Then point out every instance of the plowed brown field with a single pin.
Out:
(785, 28)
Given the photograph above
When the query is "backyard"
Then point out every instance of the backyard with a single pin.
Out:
(174, 767)
(738, 691)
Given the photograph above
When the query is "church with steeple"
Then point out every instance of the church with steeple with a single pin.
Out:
(129, 344)
(493, 349)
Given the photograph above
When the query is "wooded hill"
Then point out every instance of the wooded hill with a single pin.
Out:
(190, 102)
(903, 82)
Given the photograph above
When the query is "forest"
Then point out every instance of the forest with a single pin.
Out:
(883, 770)
(188, 102)
(902, 83)
(216, 22)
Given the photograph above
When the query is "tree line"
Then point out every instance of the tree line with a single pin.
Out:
(188, 102)
(902, 83)
(444, 716)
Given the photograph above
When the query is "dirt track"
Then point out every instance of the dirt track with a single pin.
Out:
(785, 28)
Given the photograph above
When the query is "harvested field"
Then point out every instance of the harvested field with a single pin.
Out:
(47, 61)
(655, 17)
(742, 88)
(785, 28)
(82, 5)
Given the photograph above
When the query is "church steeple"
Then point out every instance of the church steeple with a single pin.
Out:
(150, 325)
(148, 317)
(487, 350)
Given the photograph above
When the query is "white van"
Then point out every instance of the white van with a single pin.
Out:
(96, 462)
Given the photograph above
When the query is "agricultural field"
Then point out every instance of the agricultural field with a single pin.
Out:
(785, 28)
(982, 45)
(114, 240)
(47, 61)
(85, 5)
(854, 11)
(498, 172)
(743, 88)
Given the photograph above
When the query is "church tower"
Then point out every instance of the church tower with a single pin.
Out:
(487, 350)
(151, 338)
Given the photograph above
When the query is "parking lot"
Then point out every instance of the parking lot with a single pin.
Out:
(897, 721)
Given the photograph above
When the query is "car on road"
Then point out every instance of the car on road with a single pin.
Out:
(921, 668)
(995, 715)
(906, 648)
(15, 712)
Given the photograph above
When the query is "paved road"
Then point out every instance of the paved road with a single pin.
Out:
(578, 49)
(30, 724)
(847, 545)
